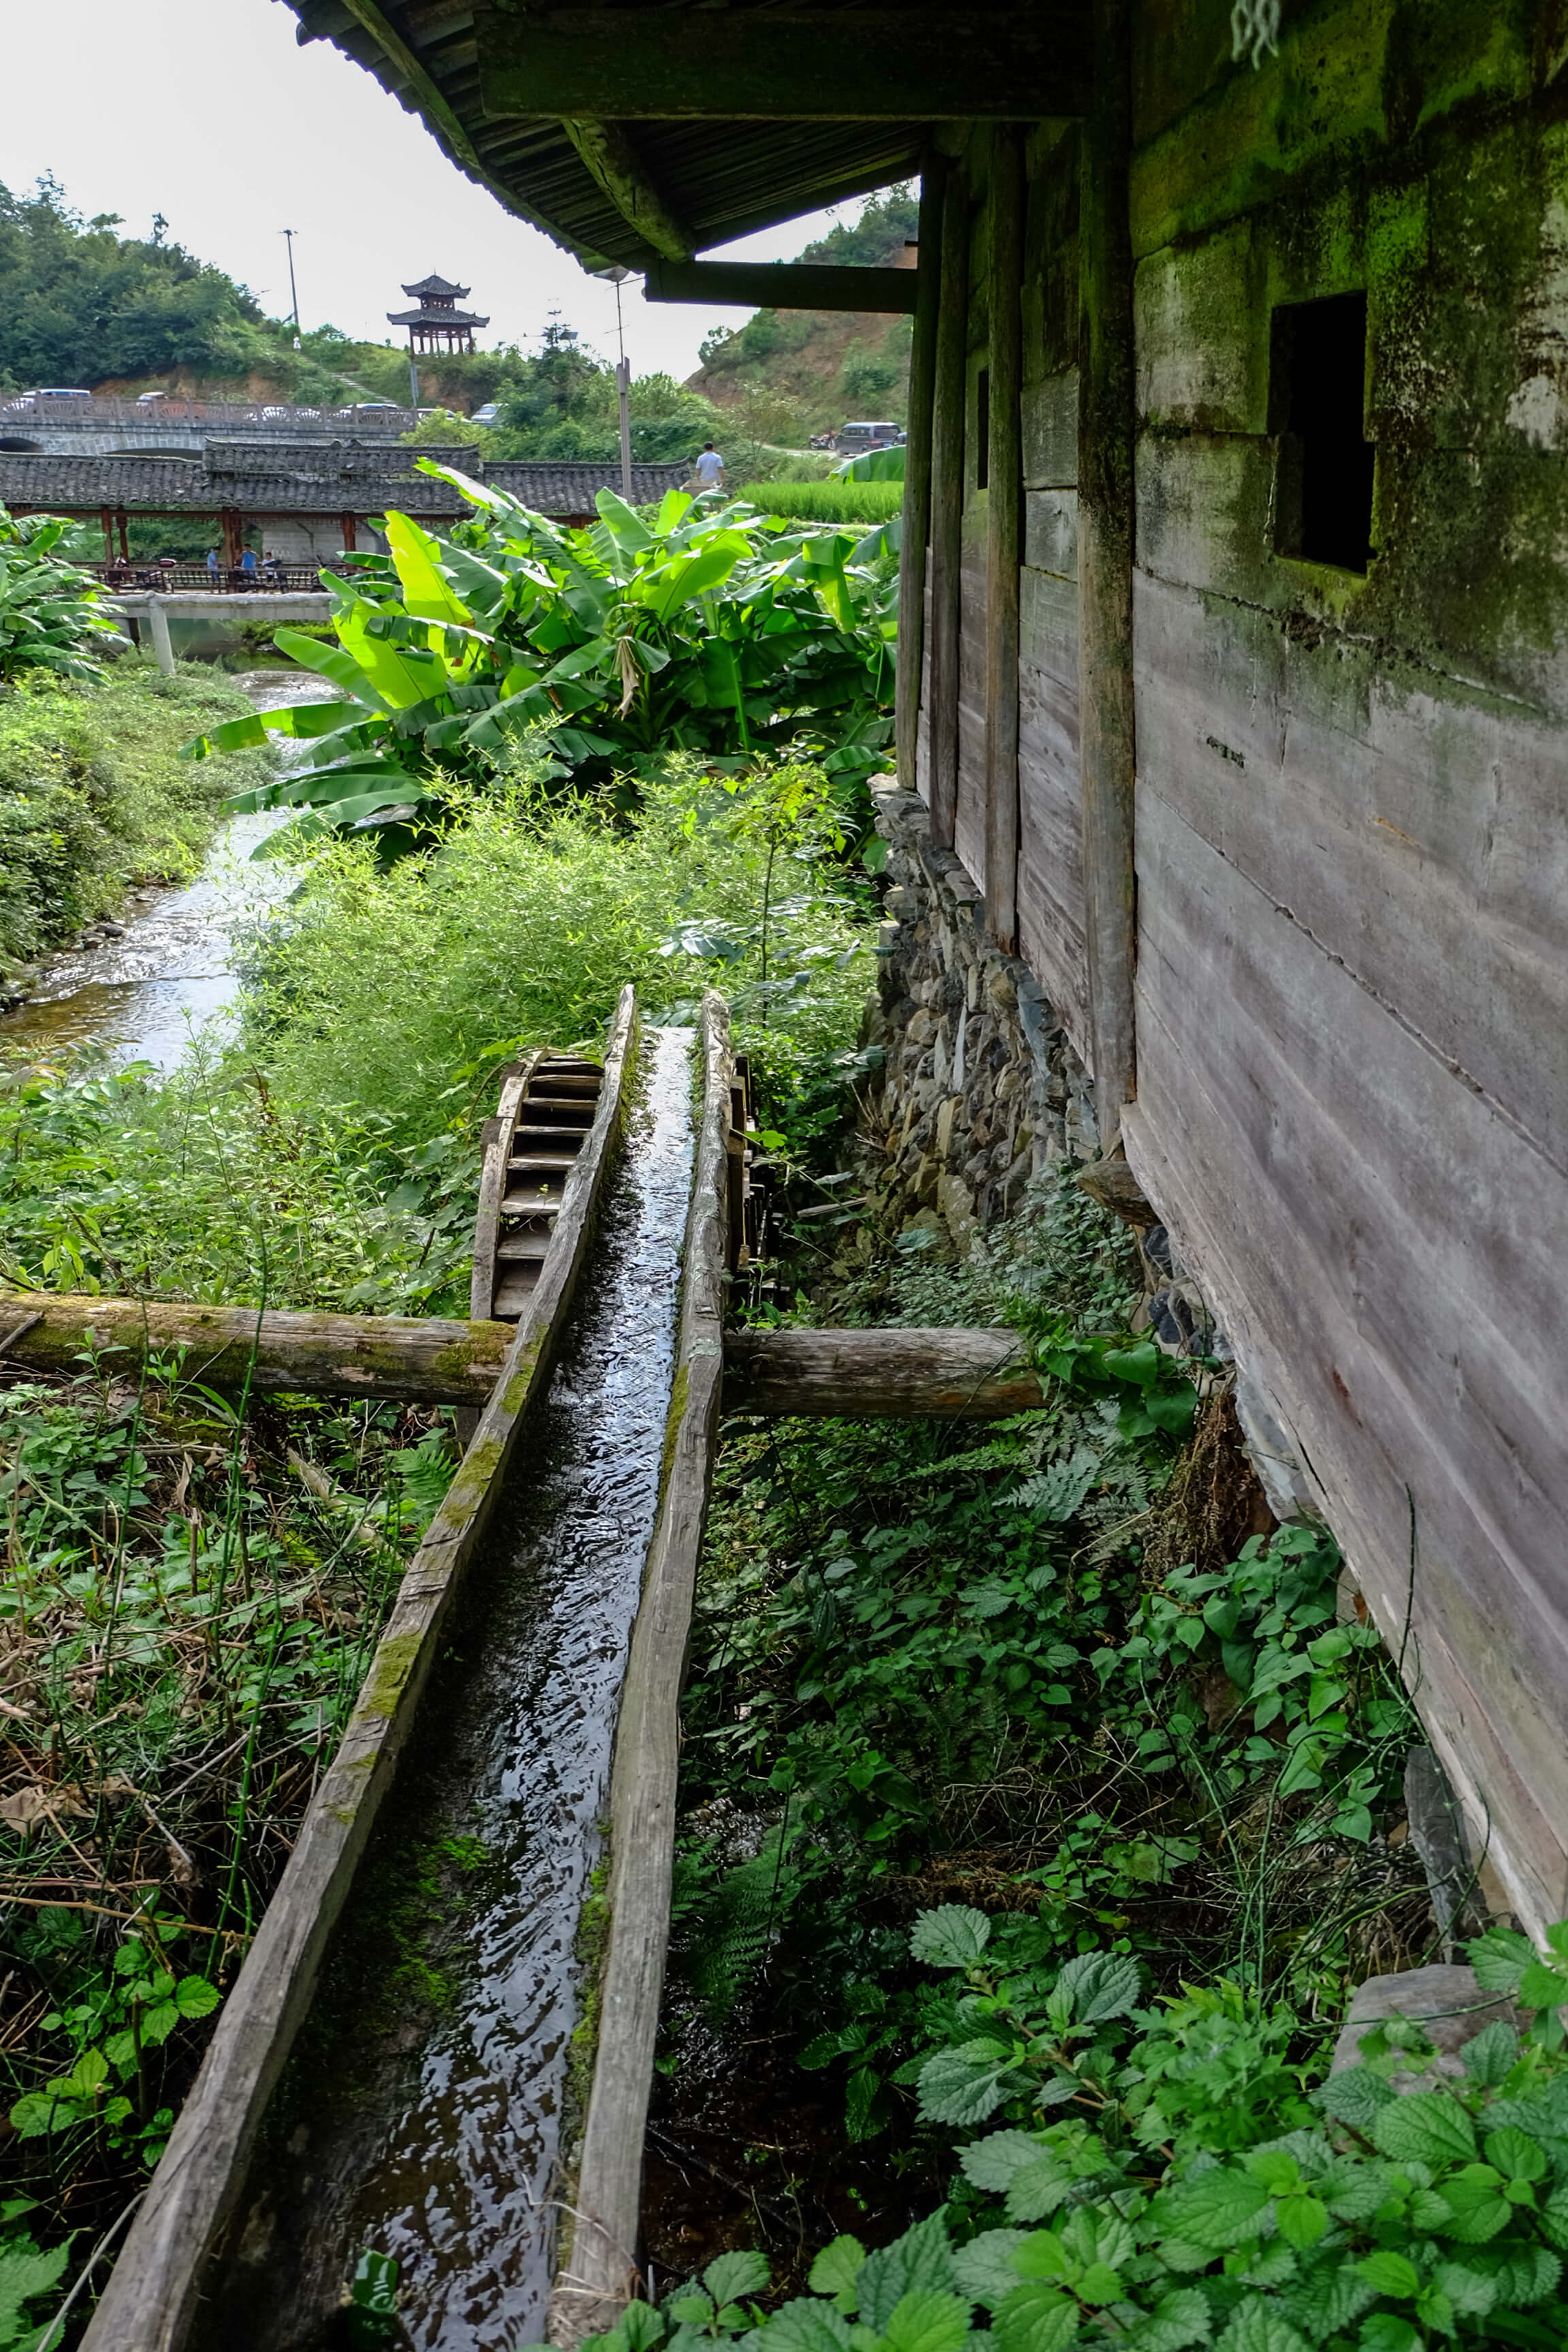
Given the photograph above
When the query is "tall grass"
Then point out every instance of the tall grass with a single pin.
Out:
(832, 502)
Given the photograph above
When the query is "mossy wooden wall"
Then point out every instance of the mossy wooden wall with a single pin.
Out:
(1353, 801)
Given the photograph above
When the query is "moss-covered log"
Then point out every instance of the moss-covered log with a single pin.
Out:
(418, 1359)
(895, 1375)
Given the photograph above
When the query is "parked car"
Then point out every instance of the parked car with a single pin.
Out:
(857, 438)
(487, 415)
(58, 391)
(143, 398)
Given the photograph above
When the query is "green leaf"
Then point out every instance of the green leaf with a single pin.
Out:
(1390, 2274)
(1355, 2097)
(1386, 2332)
(920, 2260)
(1427, 2127)
(953, 1936)
(964, 2086)
(1180, 2317)
(1302, 2221)
(1101, 1985)
(805, 2325)
(836, 2271)
(927, 2321)
(1259, 2326)
(1220, 2209)
(194, 1997)
(984, 2268)
(1491, 2054)
(731, 2277)
(1035, 2319)
(1516, 2155)
(1499, 1959)
(991, 2163)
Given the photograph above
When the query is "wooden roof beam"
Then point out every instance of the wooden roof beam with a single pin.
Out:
(795, 64)
(612, 157)
(780, 286)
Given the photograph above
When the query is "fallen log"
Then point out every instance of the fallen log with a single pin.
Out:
(417, 1359)
(940, 1375)
(889, 1375)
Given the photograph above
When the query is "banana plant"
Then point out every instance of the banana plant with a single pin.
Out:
(52, 615)
(711, 629)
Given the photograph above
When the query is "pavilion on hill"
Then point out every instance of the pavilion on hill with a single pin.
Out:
(438, 324)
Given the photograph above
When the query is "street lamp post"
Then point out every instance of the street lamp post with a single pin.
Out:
(288, 235)
(617, 277)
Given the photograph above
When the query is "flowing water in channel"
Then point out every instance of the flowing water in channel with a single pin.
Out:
(142, 997)
(421, 2115)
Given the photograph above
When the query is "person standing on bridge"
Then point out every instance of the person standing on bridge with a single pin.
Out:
(212, 562)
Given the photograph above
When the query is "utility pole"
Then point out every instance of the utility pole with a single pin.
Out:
(288, 235)
(617, 277)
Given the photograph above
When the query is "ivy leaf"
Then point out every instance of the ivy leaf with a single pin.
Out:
(836, 2271)
(927, 2322)
(1035, 2319)
(920, 2260)
(730, 2277)
(984, 2269)
(951, 1936)
(1427, 2127)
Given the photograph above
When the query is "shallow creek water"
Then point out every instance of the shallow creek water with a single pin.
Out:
(142, 997)
(422, 2114)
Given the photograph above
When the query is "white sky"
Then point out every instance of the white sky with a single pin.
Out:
(209, 112)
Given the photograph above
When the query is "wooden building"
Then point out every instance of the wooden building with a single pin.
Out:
(1233, 672)
(436, 324)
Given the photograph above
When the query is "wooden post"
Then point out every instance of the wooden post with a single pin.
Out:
(947, 509)
(1105, 512)
(232, 526)
(122, 528)
(1004, 535)
(917, 472)
(349, 542)
(106, 519)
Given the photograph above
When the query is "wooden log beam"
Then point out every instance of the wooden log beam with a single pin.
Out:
(947, 510)
(781, 285)
(857, 65)
(916, 534)
(1107, 757)
(893, 1375)
(417, 1359)
(610, 153)
(1003, 536)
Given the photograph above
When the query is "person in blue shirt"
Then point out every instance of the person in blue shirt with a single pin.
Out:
(211, 561)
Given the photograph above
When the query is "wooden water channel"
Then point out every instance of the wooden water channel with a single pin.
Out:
(182, 2279)
(549, 1153)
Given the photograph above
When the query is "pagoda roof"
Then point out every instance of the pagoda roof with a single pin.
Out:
(425, 316)
(439, 289)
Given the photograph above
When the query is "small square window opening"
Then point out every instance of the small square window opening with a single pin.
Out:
(1317, 389)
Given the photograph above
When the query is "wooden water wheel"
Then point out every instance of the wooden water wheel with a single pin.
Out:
(546, 1108)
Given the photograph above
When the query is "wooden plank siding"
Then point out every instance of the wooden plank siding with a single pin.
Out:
(1350, 1006)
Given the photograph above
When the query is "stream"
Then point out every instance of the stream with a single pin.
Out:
(422, 2114)
(143, 996)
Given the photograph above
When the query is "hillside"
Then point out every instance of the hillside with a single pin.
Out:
(790, 373)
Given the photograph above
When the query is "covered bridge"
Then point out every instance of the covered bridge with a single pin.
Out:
(1233, 673)
(311, 500)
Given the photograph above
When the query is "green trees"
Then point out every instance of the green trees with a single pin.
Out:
(78, 303)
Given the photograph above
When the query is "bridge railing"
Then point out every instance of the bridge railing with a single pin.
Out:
(218, 415)
(170, 578)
